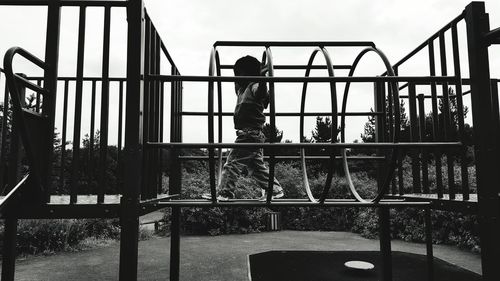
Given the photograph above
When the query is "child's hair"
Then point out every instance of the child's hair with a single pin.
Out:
(247, 66)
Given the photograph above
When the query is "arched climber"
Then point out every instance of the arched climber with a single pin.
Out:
(249, 120)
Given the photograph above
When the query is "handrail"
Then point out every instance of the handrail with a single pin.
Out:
(11, 80)
(13, 191)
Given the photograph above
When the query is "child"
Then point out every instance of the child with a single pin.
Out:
(249, 120)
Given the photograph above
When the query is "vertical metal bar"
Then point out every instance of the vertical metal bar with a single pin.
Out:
(460, 113)
(120, 116)
(380, 127)
(486, 144)
(272, 123)
(448, 129)
(211, 152)
(10, 230)
(435, 121)
(63, 137)
(147, 109)
(3, 149)
(50, 84)
(104, 124)
(159, 107)
(153, 117)
(385, 243)
(129, 204)
(75, 171)
(415, 165)
(175, 244)
(9, 248)
(401, 186)
(120, 133)
(91, 137)
(422, 138)
(37, 101)
(175, 177)
(428, 243)
(162, 107)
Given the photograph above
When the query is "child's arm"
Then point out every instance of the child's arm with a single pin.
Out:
(262, 92)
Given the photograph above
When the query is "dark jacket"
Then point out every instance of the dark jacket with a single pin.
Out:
(249, 111)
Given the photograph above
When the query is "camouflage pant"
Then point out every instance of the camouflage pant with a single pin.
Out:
(250, 159)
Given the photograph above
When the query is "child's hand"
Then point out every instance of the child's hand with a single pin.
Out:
(263, 70)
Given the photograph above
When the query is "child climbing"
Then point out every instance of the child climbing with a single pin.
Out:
(249, 120)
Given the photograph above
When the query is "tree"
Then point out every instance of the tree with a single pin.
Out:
(268, 132)
(369, 129)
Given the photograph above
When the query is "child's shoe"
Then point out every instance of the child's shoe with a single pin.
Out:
(276, 195)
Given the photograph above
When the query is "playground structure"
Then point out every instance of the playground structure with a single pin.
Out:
(141, 96)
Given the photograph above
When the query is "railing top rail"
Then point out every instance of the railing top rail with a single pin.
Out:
(414, 79)
(96, 3)
(433, 37)
(294, 44)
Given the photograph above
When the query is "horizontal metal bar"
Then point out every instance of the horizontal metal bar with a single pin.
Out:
(34, 114)
(94, 3)
(493, 37)
(304, 145)
(294, 44)
(30, 85)
(297, 66)
(286, 114)
(415, 79)
(364, 158)
(290, 203)
(68, 78)
(428, 97)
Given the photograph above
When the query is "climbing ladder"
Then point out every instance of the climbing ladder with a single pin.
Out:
(142, 114)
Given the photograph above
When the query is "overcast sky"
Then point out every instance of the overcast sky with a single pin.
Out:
(189, 29)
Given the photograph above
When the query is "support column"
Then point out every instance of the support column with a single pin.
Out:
(485, 143)
(129, 218)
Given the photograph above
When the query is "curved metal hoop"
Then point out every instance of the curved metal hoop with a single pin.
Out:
(395, 136)
(214, 67)
(334, 116)
(267, 60)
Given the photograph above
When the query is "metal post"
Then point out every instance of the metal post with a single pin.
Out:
(428, 243)
(129, 221)
(175, 176)
(103, 145)
(415, 164)
(435, 121)
(9, 248)
(485, 143)
(10, 231)
(384, 218)
(75, 170)
(422, 136)
(50, 83)
(385, 243)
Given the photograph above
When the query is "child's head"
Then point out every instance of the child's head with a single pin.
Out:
(246, 66)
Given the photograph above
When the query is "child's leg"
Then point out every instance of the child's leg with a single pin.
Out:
(236, 161)
(260, 172)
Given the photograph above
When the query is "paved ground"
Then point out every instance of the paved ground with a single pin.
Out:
(212, 258)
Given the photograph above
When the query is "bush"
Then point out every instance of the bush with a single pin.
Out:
(47, 236)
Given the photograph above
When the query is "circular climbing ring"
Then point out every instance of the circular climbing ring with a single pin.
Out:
(395, 135)
(214, 69)
(334, 116)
